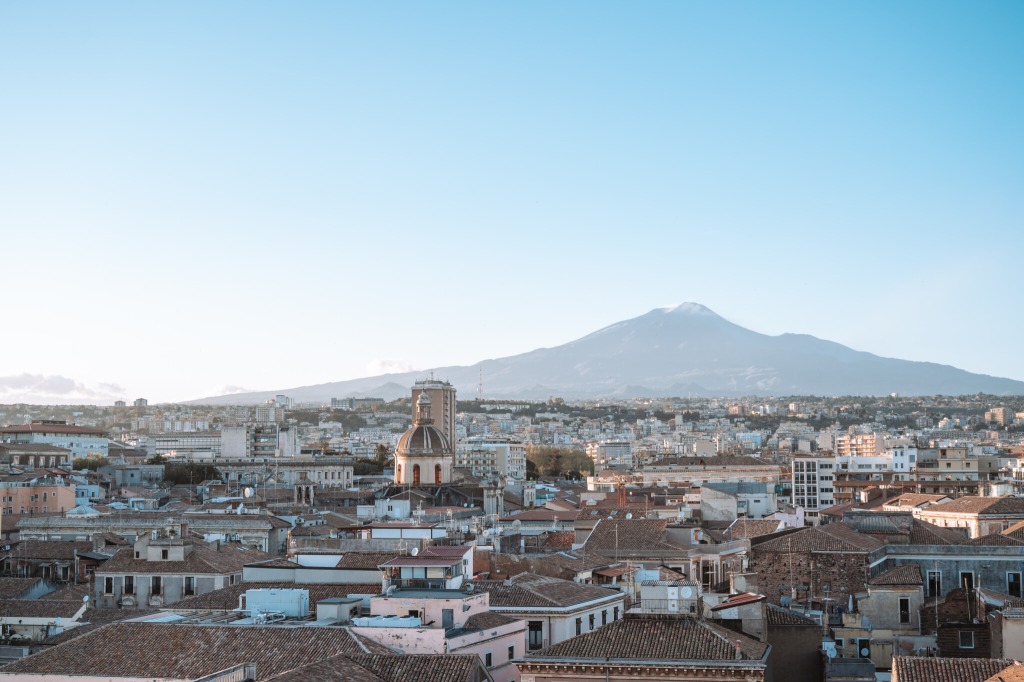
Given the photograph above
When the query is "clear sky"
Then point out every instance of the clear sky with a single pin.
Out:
(196, 196)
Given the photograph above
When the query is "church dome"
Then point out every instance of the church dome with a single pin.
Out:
(423, 438)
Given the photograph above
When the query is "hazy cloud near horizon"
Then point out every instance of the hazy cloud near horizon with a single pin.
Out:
(43, 389)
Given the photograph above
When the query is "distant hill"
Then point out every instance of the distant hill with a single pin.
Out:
(679, 351)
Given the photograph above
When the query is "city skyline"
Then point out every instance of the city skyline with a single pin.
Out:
(199, 199)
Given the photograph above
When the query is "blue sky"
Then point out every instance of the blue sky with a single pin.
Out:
(196, 196)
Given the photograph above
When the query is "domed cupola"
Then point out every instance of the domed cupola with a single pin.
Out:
(423, 454)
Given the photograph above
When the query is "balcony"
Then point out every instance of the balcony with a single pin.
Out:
(416, 583)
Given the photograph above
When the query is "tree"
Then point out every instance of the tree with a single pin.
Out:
(189, 473)
(381, 453)
(92, 462)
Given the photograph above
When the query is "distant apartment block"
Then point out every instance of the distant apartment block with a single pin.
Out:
(442, 401)
(79, 440)
(483, 455)
(259, 441)
(813, 485)
(355, 403)
(187, 445)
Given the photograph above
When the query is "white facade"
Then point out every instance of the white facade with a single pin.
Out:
(486, 454)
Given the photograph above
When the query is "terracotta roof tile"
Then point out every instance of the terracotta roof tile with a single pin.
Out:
(366, 560)
(432, 667)
(752, 528)
(12, 588)
(658, 639)
(973, 504)
(907, 574)
(156, 650)
(780, 617)
(913, 669)
(630, 536)
(528, 590)
(834, 537)
(202, 560)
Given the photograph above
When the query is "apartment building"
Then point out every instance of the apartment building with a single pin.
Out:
(79, 440)
(484, 455)
(813, 480)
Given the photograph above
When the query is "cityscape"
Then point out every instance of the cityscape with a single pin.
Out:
(758, 538)
(450, 341)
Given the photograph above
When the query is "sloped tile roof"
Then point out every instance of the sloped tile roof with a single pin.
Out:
(202, 560)
(914, 669)
(48, 550)
(834, 537)
(578, 560)
(421, 667)
(633, 535)
(780, 617)
(924, 533)
(995, 540)
(12, 588)
(38, 608)
(487, 620)
(974, 504)
(335, 669)
(96, 618)
(1014, 673)
(907, 574)
(752, 528)
(162, 650)
(658, 639)
(529, 590)
(366, 560)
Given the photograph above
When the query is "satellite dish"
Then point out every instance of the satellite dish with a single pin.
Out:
(85, 599)
(247, 493)
(415, 551)
(865, 652)
(629, 516)
(686, 592)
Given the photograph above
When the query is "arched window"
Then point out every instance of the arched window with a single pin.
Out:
(437, 474)
(415, 474)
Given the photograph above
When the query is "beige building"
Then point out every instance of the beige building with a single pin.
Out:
(979, 515)
(442, 398)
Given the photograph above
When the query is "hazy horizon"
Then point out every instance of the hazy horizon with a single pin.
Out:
(206, 197)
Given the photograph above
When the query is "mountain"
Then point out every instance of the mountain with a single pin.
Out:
(678, 351)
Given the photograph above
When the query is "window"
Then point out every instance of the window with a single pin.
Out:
(155, 586)
(904, 610)
(164, 554)
(966, 639)
(967, 580)
(512, 652)
(1013, 584)
(591, 621)
(108, 586)
(535, 635)
(934, 583)
(129, 584)
(615, 613)
(487, 659)
(190, 585)
(604, 617)
(579, 626)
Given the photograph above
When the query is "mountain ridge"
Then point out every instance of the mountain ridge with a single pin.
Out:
(664, 351)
